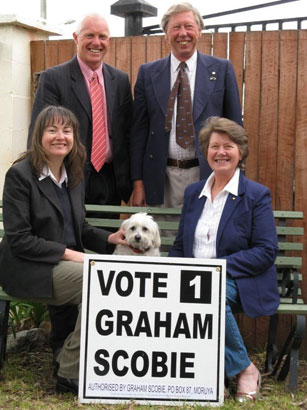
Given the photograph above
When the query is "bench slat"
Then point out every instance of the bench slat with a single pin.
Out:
(132, 209)
(290, 246)
(288, 214)
(291, 276)
(295, 309)
(288, 261)
(289, 230)
(115, 223)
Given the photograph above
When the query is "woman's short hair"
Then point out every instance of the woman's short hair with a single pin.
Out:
(178, 8)
(74, 161)
(235, 132)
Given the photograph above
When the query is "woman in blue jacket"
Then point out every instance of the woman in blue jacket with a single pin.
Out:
(230, 217)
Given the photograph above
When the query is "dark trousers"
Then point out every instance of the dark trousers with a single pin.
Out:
(101, 187)
(63, 319)
(100, 190)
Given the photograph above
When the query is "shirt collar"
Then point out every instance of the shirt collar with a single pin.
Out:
(46, 172)
(231, 187)
(88, 72)
(191, 62)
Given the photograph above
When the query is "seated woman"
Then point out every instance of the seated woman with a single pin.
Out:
(42, 252)
(230, 217)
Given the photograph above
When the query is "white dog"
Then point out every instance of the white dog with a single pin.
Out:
(142, 235)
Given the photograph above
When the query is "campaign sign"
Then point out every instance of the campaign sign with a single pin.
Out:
(152, 330)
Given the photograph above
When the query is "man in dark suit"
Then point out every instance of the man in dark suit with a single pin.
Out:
(160, 168)
(68, 85)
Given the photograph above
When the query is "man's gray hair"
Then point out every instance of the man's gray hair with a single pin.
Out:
(93, 15)
(178, 8)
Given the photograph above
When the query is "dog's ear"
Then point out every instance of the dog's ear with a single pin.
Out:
(124, 224)
(157, 239)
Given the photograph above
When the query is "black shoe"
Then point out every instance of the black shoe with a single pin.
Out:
(64, 385)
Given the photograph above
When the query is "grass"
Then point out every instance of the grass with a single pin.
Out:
(26, 382)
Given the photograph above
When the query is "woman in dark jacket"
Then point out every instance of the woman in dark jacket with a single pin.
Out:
(42, 252)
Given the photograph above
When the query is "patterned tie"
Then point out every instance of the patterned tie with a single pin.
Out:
(98, 154)
(184, 119)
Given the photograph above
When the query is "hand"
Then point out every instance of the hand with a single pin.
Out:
(74, 256)
(138, 195)
(118, 238)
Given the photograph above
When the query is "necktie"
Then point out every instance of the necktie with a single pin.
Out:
(184, 119)
(98, 154)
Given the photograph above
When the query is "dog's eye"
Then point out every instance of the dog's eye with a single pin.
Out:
(132, 228)
(145, 229)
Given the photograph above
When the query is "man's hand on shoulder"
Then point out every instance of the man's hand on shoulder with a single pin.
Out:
(138, 195)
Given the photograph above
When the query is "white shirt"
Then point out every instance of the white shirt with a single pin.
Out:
(175, 150)
(48, 173)
(204, 245)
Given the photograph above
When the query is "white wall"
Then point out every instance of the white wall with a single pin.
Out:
(15, 87)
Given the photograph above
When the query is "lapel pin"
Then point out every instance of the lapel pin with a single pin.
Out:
(233, 198)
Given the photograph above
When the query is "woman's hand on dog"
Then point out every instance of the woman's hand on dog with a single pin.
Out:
(74, 256)
(118, 238)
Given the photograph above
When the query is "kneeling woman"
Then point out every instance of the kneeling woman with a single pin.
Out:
(230, 217)
(42, 252)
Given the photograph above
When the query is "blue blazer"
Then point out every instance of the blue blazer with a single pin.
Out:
(215, 94)
(246, 238)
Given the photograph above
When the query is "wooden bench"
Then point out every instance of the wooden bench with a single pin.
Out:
(288, 263)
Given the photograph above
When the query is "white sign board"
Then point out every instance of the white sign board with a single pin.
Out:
(152, 330)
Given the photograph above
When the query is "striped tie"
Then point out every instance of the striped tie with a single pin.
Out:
(184, 119)
(98, 154)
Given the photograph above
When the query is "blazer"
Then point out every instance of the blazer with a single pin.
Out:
(65, 85)
(34, 231)
(215, 94)
(246, 238)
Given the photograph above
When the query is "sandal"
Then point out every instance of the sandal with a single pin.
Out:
(242, 397)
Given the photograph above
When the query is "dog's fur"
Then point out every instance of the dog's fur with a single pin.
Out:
(142, 235)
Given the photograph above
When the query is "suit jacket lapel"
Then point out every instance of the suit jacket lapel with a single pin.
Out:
(76, 206)
(197, 208)
(205, 81)
(110, 93)
(161, 80)
(231, 204)
(79, 87)
(47, 188)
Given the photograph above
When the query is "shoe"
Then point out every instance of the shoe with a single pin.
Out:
(242, 397)
(64, 385)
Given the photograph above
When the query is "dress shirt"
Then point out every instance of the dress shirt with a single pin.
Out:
(175, 151)
(204, 245)
(88, 74)
(48, 173)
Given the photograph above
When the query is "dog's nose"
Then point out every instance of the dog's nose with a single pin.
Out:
(137, 238)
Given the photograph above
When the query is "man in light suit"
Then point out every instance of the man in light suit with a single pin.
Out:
(68, 85)
(160, 168)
